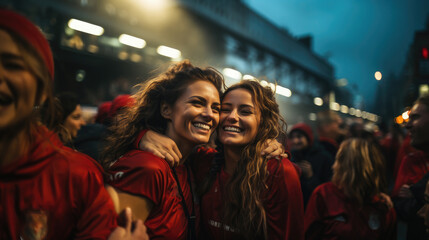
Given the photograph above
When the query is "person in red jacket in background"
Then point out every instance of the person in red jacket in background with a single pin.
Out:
(413, 168)
(424, 211)
(352, 205)
(47, 190)
(330, 130)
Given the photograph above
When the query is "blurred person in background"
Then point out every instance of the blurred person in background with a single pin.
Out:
(47, 190)
(331, 130)
(103, 112)
(413, 169)
(424, 210)
(90, 139)
(353, 205)
(313, 160)
(70, 118)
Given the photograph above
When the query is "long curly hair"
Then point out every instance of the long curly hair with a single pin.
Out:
(359, 170)
(244, 210)
(146, 113)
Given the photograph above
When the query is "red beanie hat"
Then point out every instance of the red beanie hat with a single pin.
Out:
(306, 130)
(103, 112)
(119, 102)
(22, 27)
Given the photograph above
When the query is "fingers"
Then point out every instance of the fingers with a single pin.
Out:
(157, 153)
(128, 219)
(177, 151)
(269, 148)
(172, 160)
(140, 231)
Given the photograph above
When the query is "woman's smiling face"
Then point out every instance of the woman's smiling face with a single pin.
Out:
(239, 118)
(195, 114)
(18, 86)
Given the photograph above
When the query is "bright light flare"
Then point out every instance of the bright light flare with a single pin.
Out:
(334, 106)
(248, 77)
(318, 101)
(405, 115)
(312, 116)
(132, 41)
(358, 113)
(85, 27)
(399, 119)
(344, 109)
(232, 73)
(378, 75)
(282, 90)
(168, 52)
(153, 5)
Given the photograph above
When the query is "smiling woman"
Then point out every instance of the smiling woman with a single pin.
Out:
(182, 103)
(39, 174)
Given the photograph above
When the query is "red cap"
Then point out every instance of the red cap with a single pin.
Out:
(103, 112)
(119, 102)
(304, 128)
(22, 27)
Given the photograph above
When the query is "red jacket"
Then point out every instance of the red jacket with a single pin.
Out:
(55, 192)
(414, 166)
(282, 201)
(143, 174)
(331, 215)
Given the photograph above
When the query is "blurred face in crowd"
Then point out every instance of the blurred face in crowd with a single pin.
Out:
(195, 114)
(18, 86)
(239, 118)
(424, 211)
(298, 141)
(74, 121)
(418, 126)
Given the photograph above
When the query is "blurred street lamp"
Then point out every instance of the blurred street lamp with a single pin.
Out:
(378, 75)
(168, 52)
(232, 73)
(132, 41)
(85, 27)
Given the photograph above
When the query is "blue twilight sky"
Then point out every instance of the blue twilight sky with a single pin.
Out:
(359, 36)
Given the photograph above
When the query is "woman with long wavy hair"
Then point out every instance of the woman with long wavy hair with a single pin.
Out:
(182, 103)
(352, 205)
(247, 196)
(244, 194)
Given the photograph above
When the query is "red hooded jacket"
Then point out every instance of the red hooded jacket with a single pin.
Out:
(54, 192)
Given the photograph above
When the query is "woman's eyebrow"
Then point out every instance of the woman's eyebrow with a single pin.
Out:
(10, 56)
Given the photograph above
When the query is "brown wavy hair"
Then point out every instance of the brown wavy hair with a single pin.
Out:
(359, 170)
(244, 209)
(145, 114)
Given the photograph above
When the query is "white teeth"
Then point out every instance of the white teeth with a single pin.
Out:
(202, 125)
(232, 129)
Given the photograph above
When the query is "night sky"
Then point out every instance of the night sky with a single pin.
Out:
(359, 37)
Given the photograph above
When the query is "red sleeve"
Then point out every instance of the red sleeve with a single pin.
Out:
(284, 205)
(313, 216)
(412, 169)
(140, 173)
(391, 225)
(138, 138)
(201, 162)
(97, 217)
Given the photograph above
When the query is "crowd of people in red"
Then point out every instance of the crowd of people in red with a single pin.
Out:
(187, 158)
